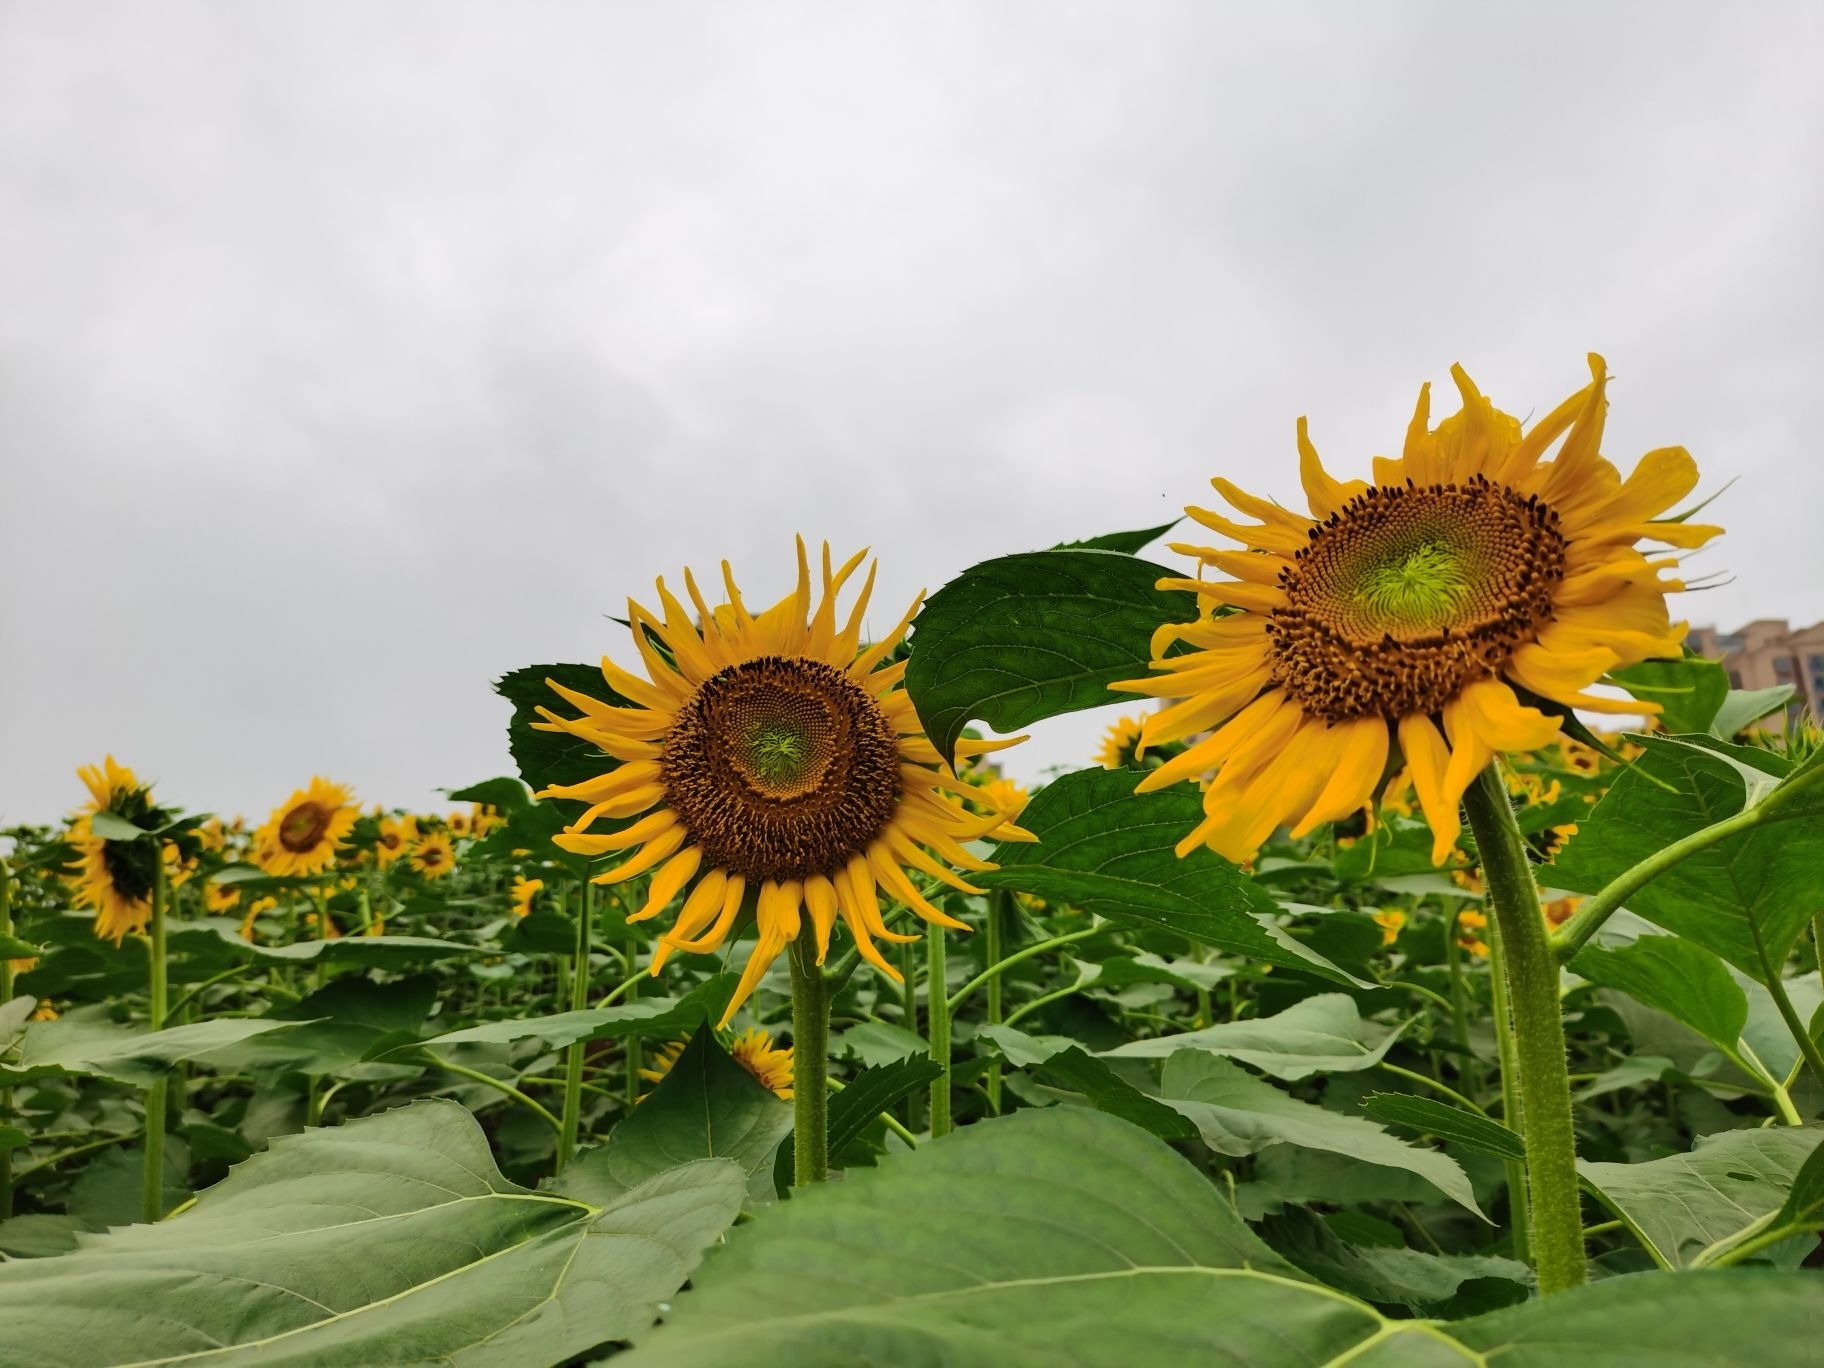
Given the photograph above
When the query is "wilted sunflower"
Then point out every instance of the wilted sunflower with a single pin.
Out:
(774, 757)
(524, 890)
(1406, 610)
(301, 836)
(1119, 743)
(116, 878)
(432, 855)
(752, 1050)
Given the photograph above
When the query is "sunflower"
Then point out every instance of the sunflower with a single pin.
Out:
(460, 824)
(771, 758)
(221, 897)
(1120, 743)
(524, 890)
(432, 855)
(1471, 922)
(752, 1050)
(117, 876)
(1405, 611)
(302, 834)
(255, 910)
(396, 833)
(1390, 922)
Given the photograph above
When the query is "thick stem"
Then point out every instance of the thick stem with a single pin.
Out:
(908, 989)
(810, 1065)
(573, 1059)
(1531, 970)
(152, 1179)
(937, 1006)
(1509, 1060)
(1000, 909)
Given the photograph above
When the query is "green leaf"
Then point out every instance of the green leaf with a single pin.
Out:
(1128, 543)
(1676, 977)
(1804, 1204)
(1322, 1034)
(1388, 1277)
(1026, 637)
(219, 936)
(1237, 1113)
(880, 1042)
(1689, 691)
(706, 1107)
(648, 1016)
(1106, 849)
(1770, 873)
(549, 758)
(11, 1138)
(1478, 1134)
(111, 826)
(1744, 707)
(856, 1109)
(1069, 1067)
(11, 947)
(75, 1046)
(504, 794)
(1065, 1236)
(392, 1239)
(1724, 1188)
(545, 932)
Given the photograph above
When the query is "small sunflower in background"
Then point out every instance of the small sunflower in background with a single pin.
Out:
(117, 876)
(1390, 921)
(524, 890)
(753, 1050)
(219, 898)
(395, 836)
(460, 825)
(301, 836)
(771, 758)
(256, 909)
(1120, 743)
(432, 855)
(1406, 611)
(1470, 925)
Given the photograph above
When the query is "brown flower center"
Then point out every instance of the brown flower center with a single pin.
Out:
(302, 828)
(1408, 594)
(782, 768)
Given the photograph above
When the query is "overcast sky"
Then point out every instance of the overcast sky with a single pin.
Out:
(353, 354)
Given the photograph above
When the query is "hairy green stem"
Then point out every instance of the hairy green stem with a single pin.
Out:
(810, 1065)
(152, 1180)
(1000, 909)
(1531, 971)
(994, 971)
(578, 1049)
(1508, 1058)
(938, 1008)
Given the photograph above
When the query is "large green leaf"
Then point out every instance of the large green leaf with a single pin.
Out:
(1063, 1236)
(1025, 637)
(1479, 1134)
(1770, 873)
(546, 758)
(1724, 1188)
(75, 1045)
(1237, 1113)
(1322, 1034)
(1688, 691)
(647, 1016)
(1674, 976)
(706, 1107)
(1385, 1275)
(1106, 849)
(1060, 1063)
(392, 1240)
(221, 937)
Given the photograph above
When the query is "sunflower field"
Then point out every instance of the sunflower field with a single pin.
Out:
(1368, 999)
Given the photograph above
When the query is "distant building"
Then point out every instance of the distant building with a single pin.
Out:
(1769, 652)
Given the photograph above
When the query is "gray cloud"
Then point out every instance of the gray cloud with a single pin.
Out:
(354, 354)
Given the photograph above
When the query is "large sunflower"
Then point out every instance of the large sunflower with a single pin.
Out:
(301, 836)
(771, 759)
(116, 878)
(1404, 612)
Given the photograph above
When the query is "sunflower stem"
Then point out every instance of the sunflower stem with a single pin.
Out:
(1000, 909)
(152, 1179)
(937, 1007)
(810, 1065)
(1531, 971)
(1509, 1062)
(573, 1059)
(908, 987)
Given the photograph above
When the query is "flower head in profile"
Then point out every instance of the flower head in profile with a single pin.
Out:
(524, 890)
(117, 875)
(302, 834)
(752, 1050)
(432, 855)
(1120, 743)
(1404, 613)
(770, 759)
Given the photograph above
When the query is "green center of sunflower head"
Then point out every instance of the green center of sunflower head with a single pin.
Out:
(777, 752)
(1420, 588)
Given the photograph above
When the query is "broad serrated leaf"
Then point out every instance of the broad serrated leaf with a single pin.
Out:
(1062, 1063)
(1128, 543)
(221, 937)
(504, 794)
(706, 1107)
(1388, 1276)
(1770, 872)
(647, 1016)
(1322, 1034)
(1478, 1134)
(75, 1046)
(1676, 977)
(1106, 849)
(1727, 1185)
(1025, 637)
(1688, 691)
(859, 1105)
(1237, 1113)
(392, 1239)
(547, 758)
(1744, 707)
